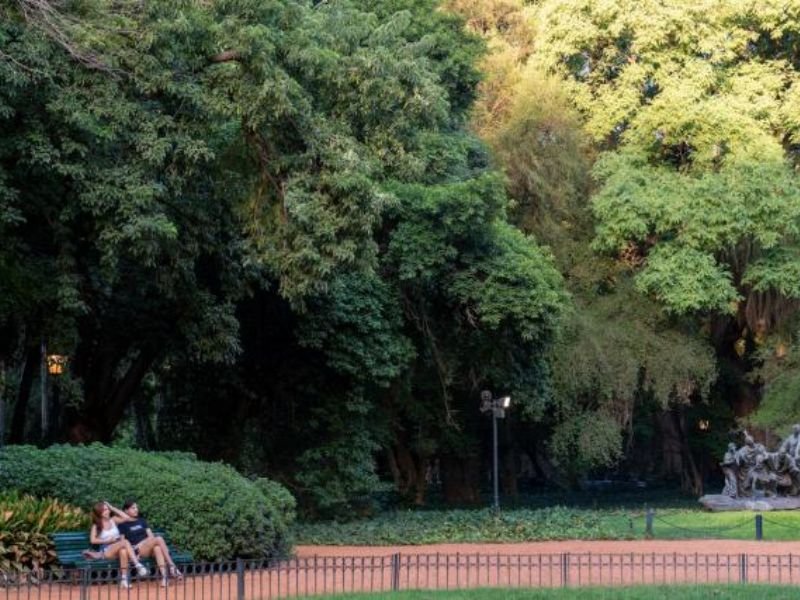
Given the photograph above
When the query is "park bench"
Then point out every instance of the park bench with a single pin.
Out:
(70, 545)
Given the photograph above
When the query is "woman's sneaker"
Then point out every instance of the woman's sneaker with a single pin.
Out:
(142, 570)
(124, 584)
(175, 572)
(163, 582)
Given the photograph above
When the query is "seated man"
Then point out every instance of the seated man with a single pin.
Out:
(145, 544)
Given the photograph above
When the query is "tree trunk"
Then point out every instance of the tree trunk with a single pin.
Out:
(2, 403)
(508, 475)
(32, 358)
(108, 399)
(691, 479)
(145, 436)
(676, 452)
(461, 480)
(408, 472)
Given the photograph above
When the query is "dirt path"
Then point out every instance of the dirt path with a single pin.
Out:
(333, 569)
(572, 546)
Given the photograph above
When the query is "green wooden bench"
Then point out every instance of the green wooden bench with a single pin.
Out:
(70, 545)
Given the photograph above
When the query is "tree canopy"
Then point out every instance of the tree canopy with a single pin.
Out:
(303, 236)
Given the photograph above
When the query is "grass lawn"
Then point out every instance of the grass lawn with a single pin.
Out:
(685, 524)
(555, 523)
(717, 592)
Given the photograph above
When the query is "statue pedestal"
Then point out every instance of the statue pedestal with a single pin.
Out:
(718, 502)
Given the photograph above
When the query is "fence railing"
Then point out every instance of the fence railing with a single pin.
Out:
(309, 576)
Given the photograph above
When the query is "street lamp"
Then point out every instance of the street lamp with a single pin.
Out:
(54, 366)
(498, 407)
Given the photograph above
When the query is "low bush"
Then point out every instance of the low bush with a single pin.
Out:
(25, 525)
(431, 527)
(207, 508)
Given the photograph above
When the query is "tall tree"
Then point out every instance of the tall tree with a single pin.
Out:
(693, 105)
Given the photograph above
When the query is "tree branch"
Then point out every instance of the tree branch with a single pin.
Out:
(226, 56)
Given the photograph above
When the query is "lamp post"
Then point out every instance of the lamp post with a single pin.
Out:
(54, 365)
(498, 407)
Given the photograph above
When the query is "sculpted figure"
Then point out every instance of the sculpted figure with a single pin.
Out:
(791, 445)
(785, 469)
(746, 459)
(760, 477)
(731, 470)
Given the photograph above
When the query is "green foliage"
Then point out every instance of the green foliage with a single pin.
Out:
(208, 509)
(585, 441)
(40, 515)
(340, 474)
(25, 525)
(358, 326)
(281, 506)
(478, 526)
(544, 153)
(696, 174)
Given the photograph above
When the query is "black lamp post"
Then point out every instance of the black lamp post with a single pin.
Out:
(498, 408)
(54, 366)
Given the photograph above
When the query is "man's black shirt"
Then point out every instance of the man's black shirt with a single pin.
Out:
(134, 531)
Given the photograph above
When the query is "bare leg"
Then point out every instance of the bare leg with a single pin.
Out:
(123, 566)
(156, 543)
(162, 564)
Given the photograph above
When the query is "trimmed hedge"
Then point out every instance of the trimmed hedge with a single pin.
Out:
(207, 508)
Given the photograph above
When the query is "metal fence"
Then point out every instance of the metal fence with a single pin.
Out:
(299, 577)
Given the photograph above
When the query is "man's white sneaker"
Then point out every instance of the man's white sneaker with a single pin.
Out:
(142, 570)
(123, 583)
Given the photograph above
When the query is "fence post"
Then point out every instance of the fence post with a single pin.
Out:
(564, 569)
(396, 571)
(742, 568)
(759, 527)
(85, 583)
(239, 579)
(648, 523)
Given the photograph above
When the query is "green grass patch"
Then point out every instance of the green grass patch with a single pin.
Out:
(555, 523)
(688, 592)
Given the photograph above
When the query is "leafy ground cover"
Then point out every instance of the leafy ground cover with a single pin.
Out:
(430, 527)
(720, 592)
(555, 523)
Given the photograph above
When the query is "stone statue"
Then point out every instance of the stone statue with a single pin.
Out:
(757, 479)
(791, 445)
(731, 470)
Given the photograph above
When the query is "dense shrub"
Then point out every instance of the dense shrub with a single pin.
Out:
(25, 523)
(207, 508)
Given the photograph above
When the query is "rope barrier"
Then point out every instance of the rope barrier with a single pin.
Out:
(779, 524)
(704, 529)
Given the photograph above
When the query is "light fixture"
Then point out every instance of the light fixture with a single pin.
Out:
(56, 364)
(704, 425)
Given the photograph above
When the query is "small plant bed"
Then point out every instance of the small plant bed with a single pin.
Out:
(718, 592)
(555, 523)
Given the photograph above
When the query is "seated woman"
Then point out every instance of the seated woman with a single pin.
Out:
(136, 530)
(106, 535)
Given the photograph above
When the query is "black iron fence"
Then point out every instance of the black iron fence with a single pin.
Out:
(310, 576)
